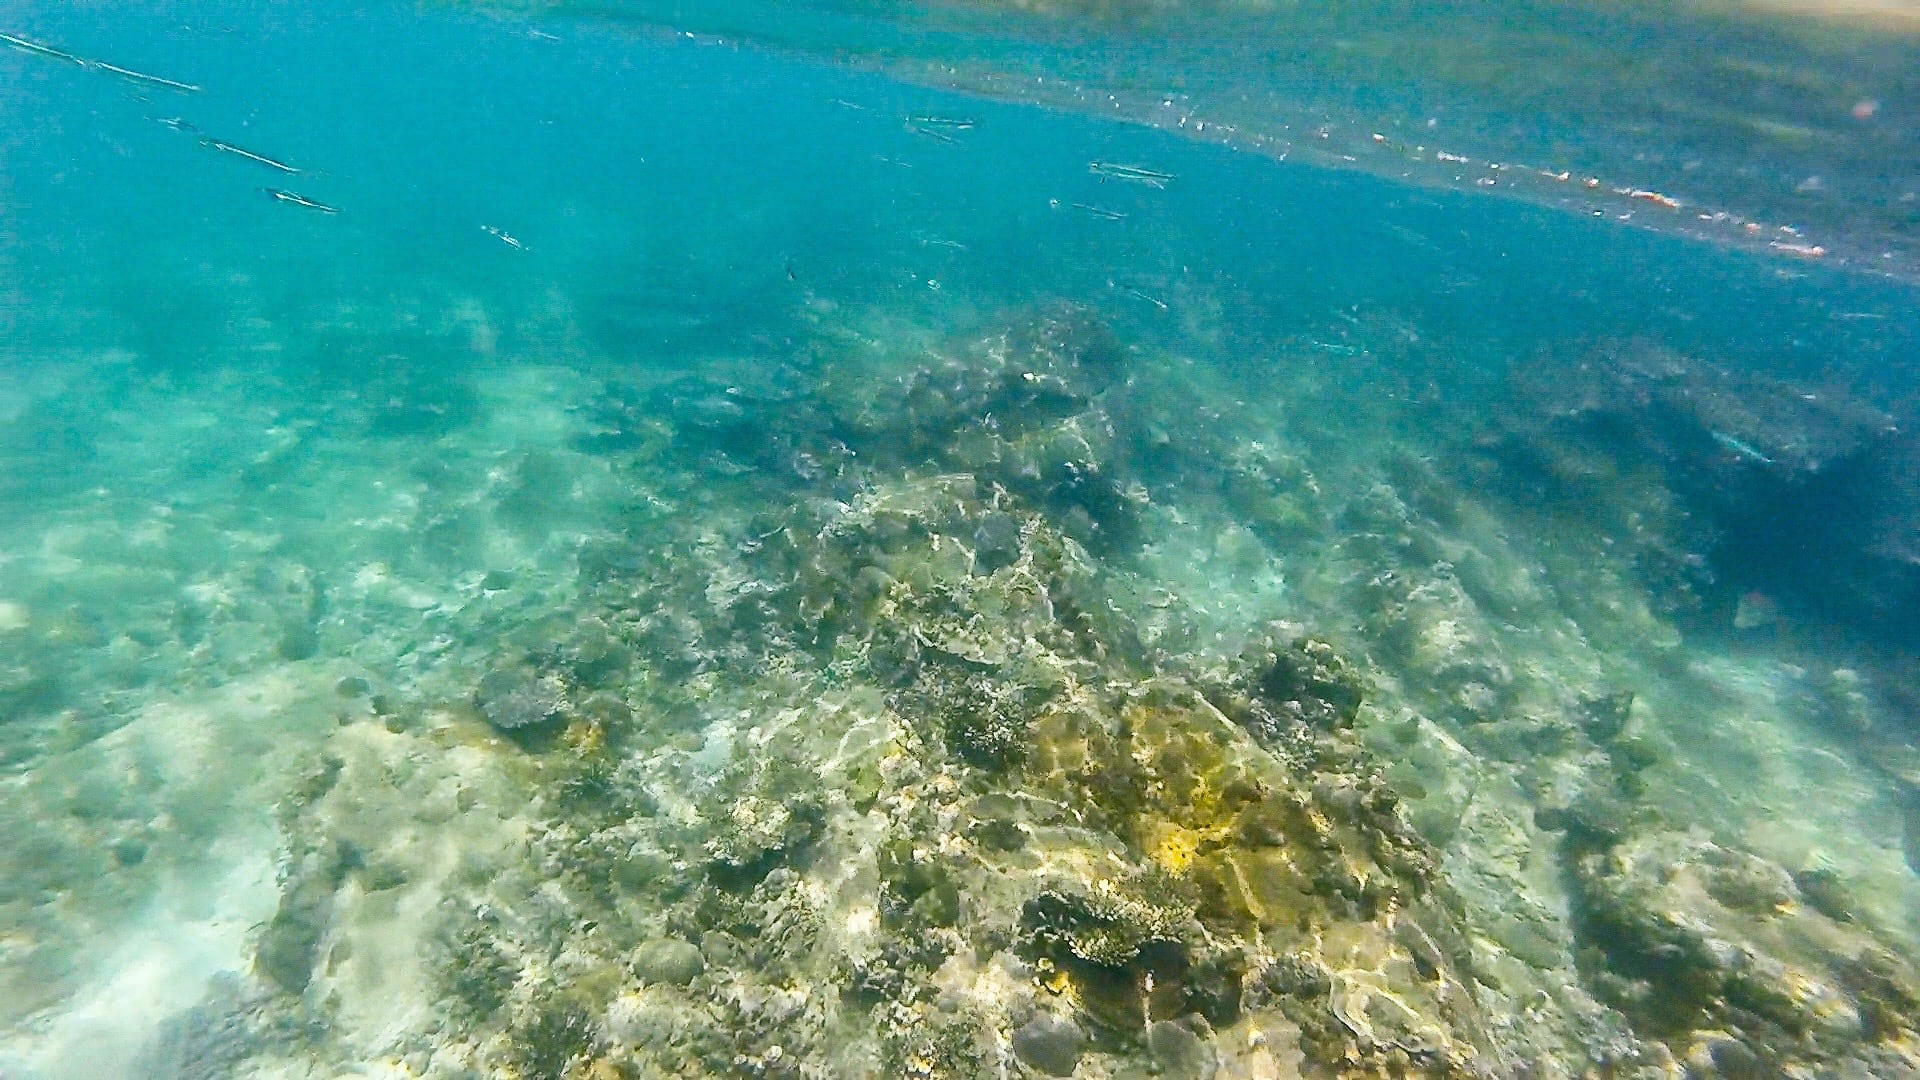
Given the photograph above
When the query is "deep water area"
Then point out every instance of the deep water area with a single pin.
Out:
(551, 548)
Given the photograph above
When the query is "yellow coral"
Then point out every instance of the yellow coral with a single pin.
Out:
(1050, 978)
(1175, 846)
(586, 737)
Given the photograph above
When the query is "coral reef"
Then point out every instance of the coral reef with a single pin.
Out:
(960, 711)
(1752, 474)
(1719, 953)
(965, 813)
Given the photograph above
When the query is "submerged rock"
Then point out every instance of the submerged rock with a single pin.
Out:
(763, 814)
(1110, 923)
(1180, 1052)
(288, 945)
(515, 698)
(210, 1041)
(668, 960)
(1052, 1044)
(1705, 943)
(1309, 681)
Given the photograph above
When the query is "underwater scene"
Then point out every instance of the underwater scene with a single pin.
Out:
(988, 539)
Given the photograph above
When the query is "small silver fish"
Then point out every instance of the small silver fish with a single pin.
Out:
(504, 237)
(1101, 212)
(932, 133)
(1138, 294)
(41, 50)
(212, 143)
(142, 77)
(1336, 349)
(300, 200)
(938, 241)
(1133, 174)
(1745, 450)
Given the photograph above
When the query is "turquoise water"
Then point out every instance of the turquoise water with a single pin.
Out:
(683, 544)
(1756, 118)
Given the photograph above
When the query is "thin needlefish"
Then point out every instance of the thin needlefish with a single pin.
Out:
(1134, 174)
(41, 50)
(300, 200)
(1101, 212)
(1138, 294)
(141, 76)
(932, 133)
(212, 143)
(504, 237)
(1743, 449)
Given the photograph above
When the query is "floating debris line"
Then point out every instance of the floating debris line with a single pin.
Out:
(1512, 174)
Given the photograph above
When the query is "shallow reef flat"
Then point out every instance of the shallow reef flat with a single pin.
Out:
(1021, 701)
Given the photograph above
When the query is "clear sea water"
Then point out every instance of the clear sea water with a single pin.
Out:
(394, 653)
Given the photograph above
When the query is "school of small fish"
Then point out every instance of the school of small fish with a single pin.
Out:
(218, 145)
(936, 127)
